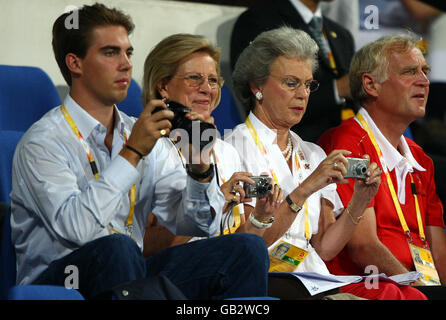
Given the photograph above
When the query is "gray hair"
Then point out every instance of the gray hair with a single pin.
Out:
(373, 58)
(254, 63)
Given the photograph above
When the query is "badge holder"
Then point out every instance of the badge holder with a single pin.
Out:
(424, 264)
(286, 257)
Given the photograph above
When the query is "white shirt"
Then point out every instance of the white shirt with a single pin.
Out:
(253, 161)
(403, 162)
(306, 13)
(58, 205)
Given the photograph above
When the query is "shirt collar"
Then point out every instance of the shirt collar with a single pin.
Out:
(85, 122)
(306, 13)
(266, 135)
(392, 156)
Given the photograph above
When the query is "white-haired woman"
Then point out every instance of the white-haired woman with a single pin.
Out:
(273, 78)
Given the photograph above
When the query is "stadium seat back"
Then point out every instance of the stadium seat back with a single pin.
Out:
(26, 94)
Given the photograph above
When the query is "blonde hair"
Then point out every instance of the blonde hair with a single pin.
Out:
(163, 61)
(373, 58)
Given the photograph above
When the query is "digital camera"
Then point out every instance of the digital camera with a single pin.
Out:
(260, 189)
(179, 121)
(357, 168)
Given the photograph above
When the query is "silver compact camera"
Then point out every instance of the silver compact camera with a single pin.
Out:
(260, 189)
(357, 168)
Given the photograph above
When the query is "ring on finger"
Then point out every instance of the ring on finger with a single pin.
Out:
(163, 132)
(335, 165)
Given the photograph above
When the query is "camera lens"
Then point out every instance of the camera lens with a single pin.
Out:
(361, 169)
(264, 187)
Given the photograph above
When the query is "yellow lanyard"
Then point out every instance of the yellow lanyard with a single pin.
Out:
(94, 168)
(392, 188)
(262, 149)
(307, 218)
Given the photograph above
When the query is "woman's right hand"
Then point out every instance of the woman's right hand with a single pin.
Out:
(233, 190)
(331, 170)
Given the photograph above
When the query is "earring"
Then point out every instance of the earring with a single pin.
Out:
(259, 95)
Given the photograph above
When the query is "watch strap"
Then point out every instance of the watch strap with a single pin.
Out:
(199, 176)
(292, 205)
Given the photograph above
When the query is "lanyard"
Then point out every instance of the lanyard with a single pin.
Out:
(262, 149)
(307, 219)
(392, 188)
(94, 168)
(329, 55)
(235, 209)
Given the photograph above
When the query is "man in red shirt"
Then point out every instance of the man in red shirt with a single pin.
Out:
(388, 78)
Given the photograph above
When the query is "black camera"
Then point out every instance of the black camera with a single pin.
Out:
(357, 168)
(260, 189)
(179, 121)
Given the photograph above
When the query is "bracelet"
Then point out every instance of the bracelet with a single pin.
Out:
(259, 224)
(358, 219)
(134, 150)
(199, 176)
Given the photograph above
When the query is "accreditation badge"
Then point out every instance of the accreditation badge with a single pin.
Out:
(285, 257)
(424, 264)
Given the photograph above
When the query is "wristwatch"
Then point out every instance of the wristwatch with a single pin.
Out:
(259, 224)
(198, 176)
(292, 205)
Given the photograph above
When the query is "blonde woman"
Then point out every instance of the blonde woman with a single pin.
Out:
(186, 68)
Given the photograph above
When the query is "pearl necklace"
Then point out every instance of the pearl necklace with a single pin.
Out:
(288, 150)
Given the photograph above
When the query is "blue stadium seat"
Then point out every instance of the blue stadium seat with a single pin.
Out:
(43, 292)
(226, 115)
(8, 142)
(408, 133)
(26, 94)
(132, 105)
(8, 287)
(7, 258)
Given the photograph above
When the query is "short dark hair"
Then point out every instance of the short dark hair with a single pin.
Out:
(77, 40)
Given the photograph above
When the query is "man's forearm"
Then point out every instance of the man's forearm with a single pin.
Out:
(378, 255)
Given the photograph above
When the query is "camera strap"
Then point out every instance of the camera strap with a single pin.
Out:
(263, 151)
(95, 171)
(235, 208)
(422, 257)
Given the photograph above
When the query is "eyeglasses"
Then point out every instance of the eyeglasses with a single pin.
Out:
(293, 83)
(197, 79)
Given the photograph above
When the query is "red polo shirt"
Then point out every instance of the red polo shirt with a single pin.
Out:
(350, 136)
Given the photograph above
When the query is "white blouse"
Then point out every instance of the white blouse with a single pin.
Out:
(306, 157)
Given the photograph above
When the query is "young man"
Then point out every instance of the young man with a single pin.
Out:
(389, 79)
(86, 175)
